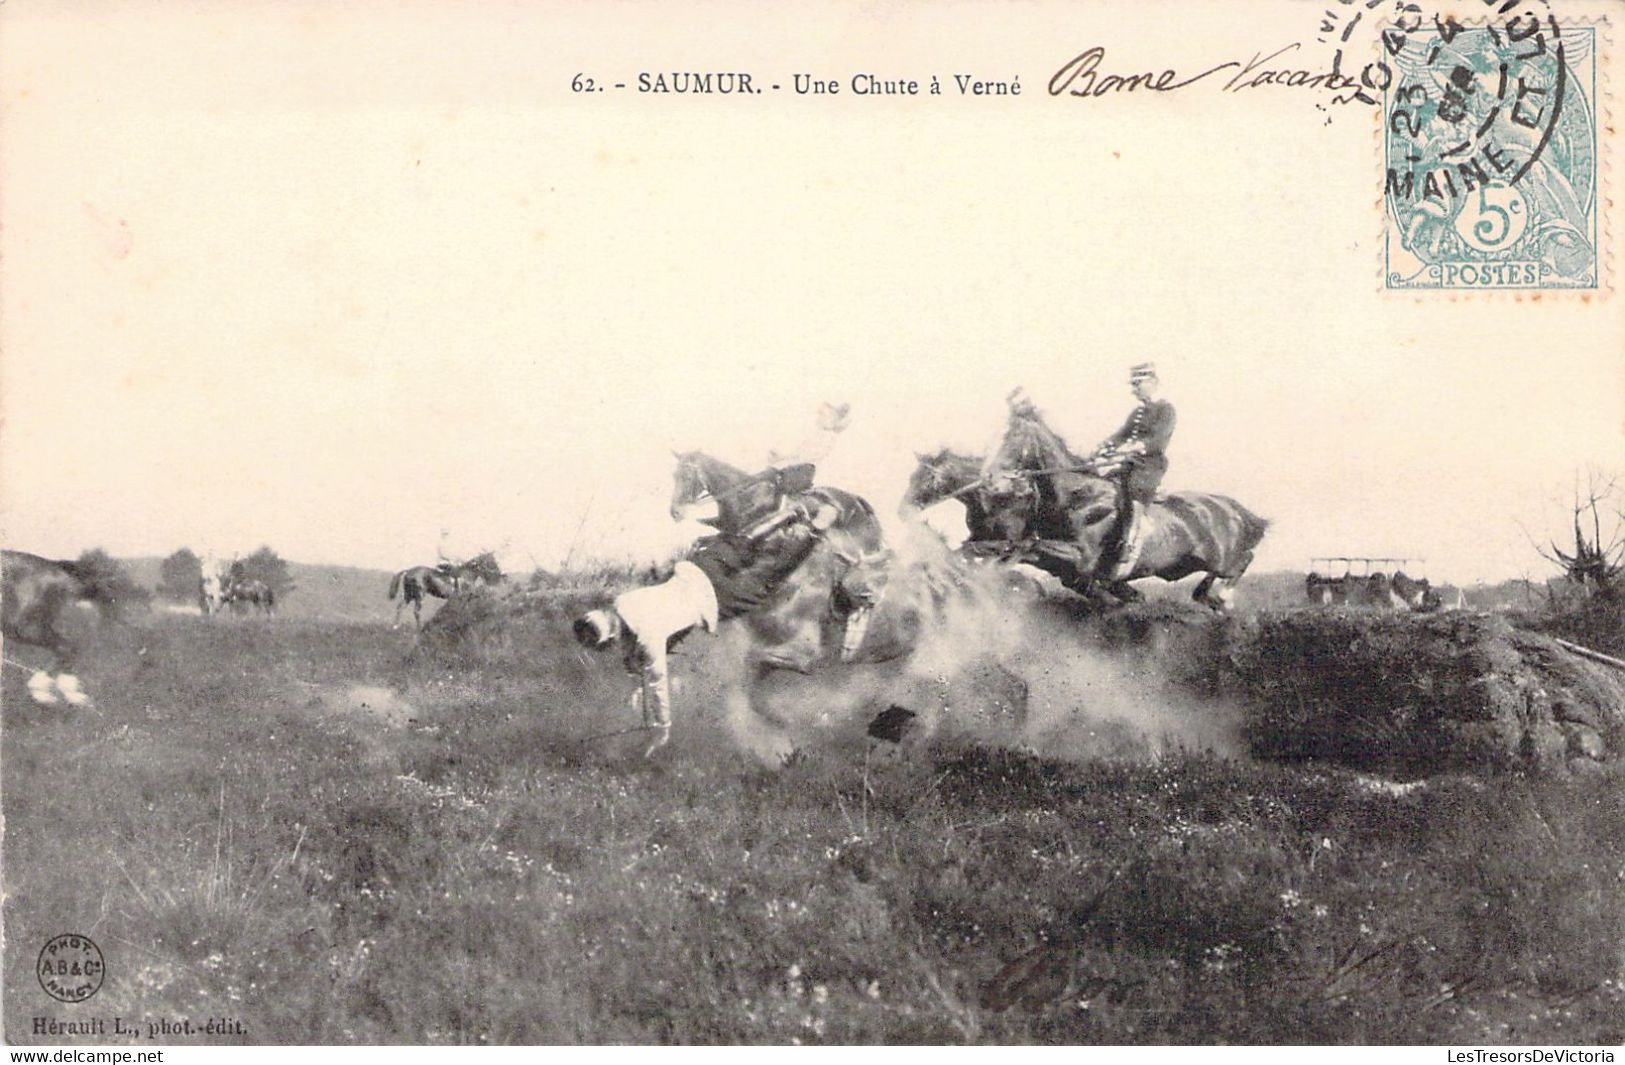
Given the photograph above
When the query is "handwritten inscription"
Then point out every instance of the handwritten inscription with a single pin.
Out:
(1082, 76)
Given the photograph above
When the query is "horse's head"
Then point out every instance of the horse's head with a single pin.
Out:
(483, 567)
(696, 484)
(719, 495)
(936, 477)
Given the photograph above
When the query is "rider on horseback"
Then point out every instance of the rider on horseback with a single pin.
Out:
(1136, 457)
(727, 575)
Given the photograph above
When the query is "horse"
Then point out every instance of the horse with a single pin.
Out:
(731, 500)
(947, 474)
(441, 581)
(1326, 591)
(796, 650)
(1415, 593)
(33, 593)
(246, 593)
(211, 594)
(1059, 513)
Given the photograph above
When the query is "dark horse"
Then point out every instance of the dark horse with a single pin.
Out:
(248, 593)
(948, 474)
(33, 593)
(442, 581)
(730, 500)
(1052, 509)
(853, 538)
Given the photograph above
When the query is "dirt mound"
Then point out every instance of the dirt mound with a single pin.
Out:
(1421, 691)
(1410, 693)
(1406, 692)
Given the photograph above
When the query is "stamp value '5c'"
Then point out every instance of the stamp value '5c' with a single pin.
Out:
(1490, 155)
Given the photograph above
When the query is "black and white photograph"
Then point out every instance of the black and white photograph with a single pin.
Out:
(833, 523)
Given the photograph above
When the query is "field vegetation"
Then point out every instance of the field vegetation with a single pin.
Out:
(335, 832)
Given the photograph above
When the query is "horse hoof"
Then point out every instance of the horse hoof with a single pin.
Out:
(42, 689)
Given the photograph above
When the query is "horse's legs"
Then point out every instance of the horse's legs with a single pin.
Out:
(1222, 599)
(44, 685)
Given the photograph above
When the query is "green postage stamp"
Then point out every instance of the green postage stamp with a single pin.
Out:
(1490, 155)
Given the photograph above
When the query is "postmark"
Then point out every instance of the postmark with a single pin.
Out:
(71, 967)
(1490, 165)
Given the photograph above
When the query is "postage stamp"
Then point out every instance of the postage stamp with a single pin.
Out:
(1490, 157)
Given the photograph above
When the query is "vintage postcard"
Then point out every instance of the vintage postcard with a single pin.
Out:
(820, 523)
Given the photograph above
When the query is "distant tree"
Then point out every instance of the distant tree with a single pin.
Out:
(108, 580)
(180, 575)
(1586, 603)
(268, 566)
(1594, 565)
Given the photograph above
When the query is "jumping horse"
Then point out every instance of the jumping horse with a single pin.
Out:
(1056, 511)
(441, 581)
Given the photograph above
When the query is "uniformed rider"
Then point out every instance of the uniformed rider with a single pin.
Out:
(1136, 457)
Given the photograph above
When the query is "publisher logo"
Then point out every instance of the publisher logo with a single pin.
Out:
(71, 968)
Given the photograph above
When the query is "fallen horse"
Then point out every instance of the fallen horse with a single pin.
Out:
(793, 585)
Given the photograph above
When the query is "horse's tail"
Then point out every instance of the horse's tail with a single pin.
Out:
(395, 583)
(1225, 531)
(1253, 527)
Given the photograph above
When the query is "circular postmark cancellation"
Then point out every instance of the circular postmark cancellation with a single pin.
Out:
(1490, 151)
(71, 968)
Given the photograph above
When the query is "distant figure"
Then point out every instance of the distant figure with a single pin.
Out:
(1136, 456)
(246, 593)
(211, 584)
(442, 580)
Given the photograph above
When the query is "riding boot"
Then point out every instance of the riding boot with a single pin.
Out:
(1128, 548)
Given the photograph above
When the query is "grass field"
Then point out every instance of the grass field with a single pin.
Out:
(304, 826)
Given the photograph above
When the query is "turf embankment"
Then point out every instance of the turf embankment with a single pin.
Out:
(1403, 693)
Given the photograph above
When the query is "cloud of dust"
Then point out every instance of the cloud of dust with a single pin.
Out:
(994, 663)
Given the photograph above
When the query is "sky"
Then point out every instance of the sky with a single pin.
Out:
(373, 284)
